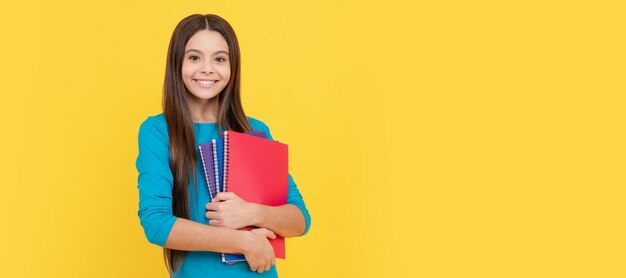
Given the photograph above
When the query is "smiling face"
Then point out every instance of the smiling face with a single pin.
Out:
(206, 65)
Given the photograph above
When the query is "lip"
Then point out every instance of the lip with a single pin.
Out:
(201, 85)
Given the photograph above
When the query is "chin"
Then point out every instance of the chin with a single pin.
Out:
(204, 95)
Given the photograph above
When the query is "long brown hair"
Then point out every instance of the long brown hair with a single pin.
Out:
(179, 121)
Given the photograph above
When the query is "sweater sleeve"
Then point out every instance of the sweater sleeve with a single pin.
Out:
(155, 182)
(293, 196)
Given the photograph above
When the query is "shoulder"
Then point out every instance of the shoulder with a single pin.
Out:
(154, 126)
(260, 126)
(257, 124)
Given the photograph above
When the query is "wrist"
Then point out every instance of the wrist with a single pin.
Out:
(257, 214)
(245, 244)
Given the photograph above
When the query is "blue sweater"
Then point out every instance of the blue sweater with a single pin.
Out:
(155, 183)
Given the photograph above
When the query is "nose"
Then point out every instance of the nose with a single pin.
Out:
(207, 68)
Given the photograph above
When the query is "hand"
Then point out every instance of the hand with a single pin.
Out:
(259, 252)
(229, 211)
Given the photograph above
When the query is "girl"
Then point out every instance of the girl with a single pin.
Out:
(201, 98)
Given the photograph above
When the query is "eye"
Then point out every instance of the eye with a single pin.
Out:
(194, 58)
(220, 59)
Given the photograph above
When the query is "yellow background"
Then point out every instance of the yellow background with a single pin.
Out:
(430, 139)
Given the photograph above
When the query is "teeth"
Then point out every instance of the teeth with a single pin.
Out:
(206, 82)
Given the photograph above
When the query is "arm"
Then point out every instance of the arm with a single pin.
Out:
(286, 220)
(230, 211)
(290, 220)
(193, 236)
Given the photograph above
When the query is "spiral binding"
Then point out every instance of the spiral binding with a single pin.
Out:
(206, 176)
(226, 154)
(215, 170)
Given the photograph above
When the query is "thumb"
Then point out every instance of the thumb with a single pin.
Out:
(269, 234)
(264, 232)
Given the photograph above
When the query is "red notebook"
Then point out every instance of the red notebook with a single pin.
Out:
(256, 169)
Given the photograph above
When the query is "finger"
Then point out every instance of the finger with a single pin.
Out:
(261, 231)
(265, 232)
(216, 223)
(260, 269)
(267, 267)
(213, 215)
(212, 206)
(223, 196)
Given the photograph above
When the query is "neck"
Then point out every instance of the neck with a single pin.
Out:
(204, 111)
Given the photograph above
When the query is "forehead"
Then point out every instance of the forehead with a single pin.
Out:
(207, 41)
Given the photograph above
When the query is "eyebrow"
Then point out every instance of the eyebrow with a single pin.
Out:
(214, 53)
